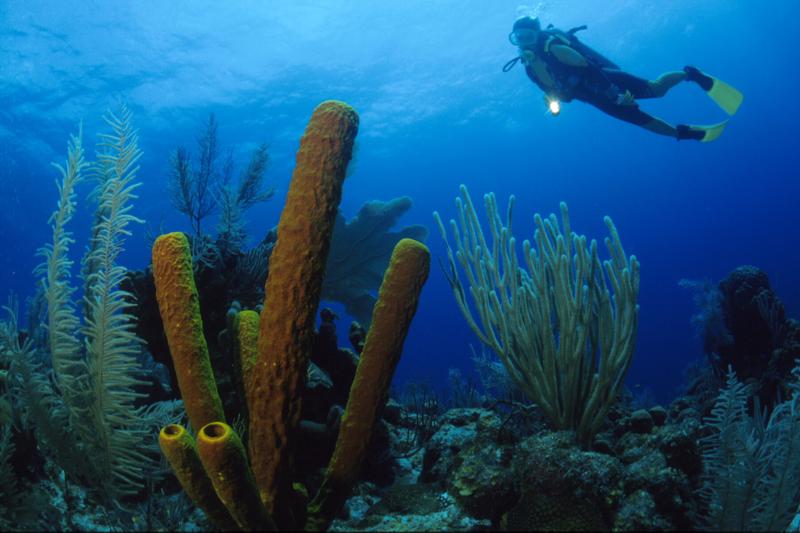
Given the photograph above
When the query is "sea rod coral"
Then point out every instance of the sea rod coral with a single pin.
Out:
(565, 338)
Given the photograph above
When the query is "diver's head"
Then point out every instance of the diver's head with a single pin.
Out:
(525, 32)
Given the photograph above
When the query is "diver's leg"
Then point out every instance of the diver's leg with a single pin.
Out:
(665, 82)
(634, 115)
(642, 88)
(694, 74)
(681, 132)
(656, 125)
(625, 81)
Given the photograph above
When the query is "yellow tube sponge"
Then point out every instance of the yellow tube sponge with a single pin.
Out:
(179, 305)
(292, 292)
(246, 351)
(181, 452)
(391, 318)
(225, 461)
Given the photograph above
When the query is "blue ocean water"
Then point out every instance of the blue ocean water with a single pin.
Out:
(436, 111)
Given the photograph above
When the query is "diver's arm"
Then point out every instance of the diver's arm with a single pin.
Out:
(527, 57)
(592, 75)
(568, 56)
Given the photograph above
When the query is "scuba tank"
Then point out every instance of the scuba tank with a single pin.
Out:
(591, 55)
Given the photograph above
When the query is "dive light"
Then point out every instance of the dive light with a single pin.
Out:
(554, 106)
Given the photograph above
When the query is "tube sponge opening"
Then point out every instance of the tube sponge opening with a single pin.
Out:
(181, 452)
(224, 458)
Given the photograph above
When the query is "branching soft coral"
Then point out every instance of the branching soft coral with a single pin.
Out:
(201, 191)
(193, 190)
(751, 463)
(89, 419)
(563, 323)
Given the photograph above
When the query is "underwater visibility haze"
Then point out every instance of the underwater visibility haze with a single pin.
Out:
(260, 271)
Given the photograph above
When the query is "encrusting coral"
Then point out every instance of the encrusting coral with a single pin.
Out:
(274, 383)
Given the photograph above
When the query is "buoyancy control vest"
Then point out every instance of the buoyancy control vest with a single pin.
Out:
(591, 55)
(562, 81)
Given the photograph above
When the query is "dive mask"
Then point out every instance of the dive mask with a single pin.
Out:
(523, 37)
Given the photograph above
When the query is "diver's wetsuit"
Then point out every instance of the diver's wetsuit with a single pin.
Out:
(638, 87)
(594, 84)
(565, 69)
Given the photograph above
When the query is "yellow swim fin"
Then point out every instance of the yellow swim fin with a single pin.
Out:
(727, 97)
(703, 134)
(715, 130)
(712, 132)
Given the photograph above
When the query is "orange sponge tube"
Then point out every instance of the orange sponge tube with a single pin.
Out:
(292, 292)
(224, 459)
(246, 351)
(181, 453)
(391, 318)
(179, 305)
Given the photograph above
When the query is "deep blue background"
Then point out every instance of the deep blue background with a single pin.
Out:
(436, 111)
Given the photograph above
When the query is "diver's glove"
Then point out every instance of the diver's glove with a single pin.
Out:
(615, 95)
(625, 99)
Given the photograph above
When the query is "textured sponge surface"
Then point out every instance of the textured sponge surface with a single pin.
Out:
(179, 305)
(293, 288)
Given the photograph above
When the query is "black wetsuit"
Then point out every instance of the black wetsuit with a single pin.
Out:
(597, 83)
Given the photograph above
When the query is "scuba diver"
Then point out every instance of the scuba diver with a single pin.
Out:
(566, 69)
